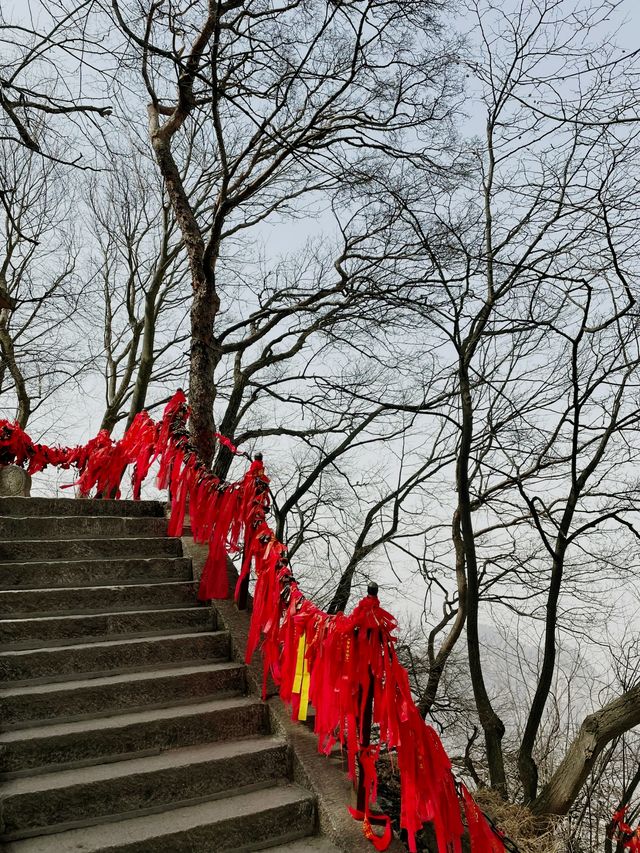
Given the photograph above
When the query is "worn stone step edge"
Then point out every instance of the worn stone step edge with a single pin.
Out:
(69, 701)
(30, 633)
(64, 799)
(79, 506)
(62, 574)
(316, 844)
(100, 658)
(35, 550)
(44, 749)
(67, 527)
(54, 601)
(246, 821)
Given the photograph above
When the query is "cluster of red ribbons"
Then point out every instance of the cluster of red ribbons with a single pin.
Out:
(625, 836)
(332, 662)
(335, 663)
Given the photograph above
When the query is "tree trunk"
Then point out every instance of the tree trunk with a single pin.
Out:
(492, 725)
(597, 730)
(205, 304)
(204, 309)
(438, 663)
(9, 357)
(343, 592)
(110, 417)
(527, 767)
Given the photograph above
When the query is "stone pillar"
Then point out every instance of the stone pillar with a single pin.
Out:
(14, 482)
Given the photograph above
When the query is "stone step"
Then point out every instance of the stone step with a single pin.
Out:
(47, 748)
(39, 550)
(87, 795)
(80, 527)
(48, 631)
(96, 599)
(65, 573)
(42, 704)
(75, 506)
(246, 821)
(306, 845)
(99, 658)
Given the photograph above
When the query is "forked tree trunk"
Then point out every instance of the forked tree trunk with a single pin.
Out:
(205, 302)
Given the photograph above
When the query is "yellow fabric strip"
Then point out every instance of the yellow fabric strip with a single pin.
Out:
(300, 665)
(304, 693)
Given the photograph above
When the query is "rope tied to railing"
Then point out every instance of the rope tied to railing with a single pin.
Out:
(345, 666)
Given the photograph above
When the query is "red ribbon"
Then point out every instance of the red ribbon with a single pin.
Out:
(623, 832)
(343, 654)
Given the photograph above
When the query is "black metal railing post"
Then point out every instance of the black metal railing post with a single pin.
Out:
(367, 719)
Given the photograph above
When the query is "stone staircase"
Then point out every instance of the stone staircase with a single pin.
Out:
(124, 724)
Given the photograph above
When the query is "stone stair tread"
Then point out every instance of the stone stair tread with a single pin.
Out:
(139, 570)
(85, 560)
(121, 641)
(71, 518)
(317, 844)
(138, 675)
(183, 756)
(14, 506)
(84, 540)
(124, 724)
(71, 616)
(141, 582)
(81, 515)
(129, 590)
(28, 633)
(154, 828)
(35, 550)
(53, 701)
(122, 720)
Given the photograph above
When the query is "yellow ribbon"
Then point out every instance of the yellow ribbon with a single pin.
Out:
(301, 678)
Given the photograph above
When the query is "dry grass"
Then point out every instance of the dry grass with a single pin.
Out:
(519, 824)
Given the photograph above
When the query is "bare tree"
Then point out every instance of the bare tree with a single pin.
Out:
(287, 96)
(40, 340)
(526, 303)
(51, 80)
(141, 284)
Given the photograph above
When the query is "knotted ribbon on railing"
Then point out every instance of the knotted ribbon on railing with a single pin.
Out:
(328, 661)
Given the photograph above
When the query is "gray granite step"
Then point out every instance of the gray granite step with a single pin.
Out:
(124, 725)
(43, 704)
(306, 845)
(98, 599)
(75, 506)
(246, 821)
(30, 633)
(87, 795)
(39, 550)
(121, 570)
(43, 749)
(61, 662)
(80, 527)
